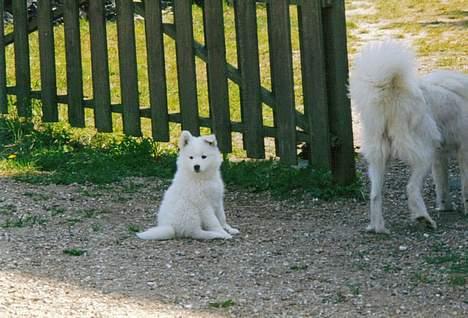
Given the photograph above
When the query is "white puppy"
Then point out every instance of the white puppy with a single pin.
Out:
(193, 204)
(416, 119)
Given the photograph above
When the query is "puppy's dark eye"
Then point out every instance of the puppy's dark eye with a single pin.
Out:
(203, 157)
(191, 157)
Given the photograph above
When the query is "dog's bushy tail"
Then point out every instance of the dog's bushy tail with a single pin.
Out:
(157, 233)
(382, 69)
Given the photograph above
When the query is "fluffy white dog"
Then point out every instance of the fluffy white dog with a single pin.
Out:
(193, 204)
(419, 120)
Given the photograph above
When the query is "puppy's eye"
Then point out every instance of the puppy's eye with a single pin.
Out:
(191, 157)
(203, 157)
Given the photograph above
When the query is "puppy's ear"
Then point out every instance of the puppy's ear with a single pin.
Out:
(210, 140)
(184, 139)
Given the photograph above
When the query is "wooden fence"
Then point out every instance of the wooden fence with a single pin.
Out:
(324, 122)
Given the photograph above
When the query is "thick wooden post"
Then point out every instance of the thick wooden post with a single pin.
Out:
(156, 70)
(217, 73)
(279, 33)
(3, 79)
(128, 68)
(71, 20)
(186, 72)
(249, 67)
(340, 121)
(22, 67)
(314, 82)
(47, 60)
(100, 66)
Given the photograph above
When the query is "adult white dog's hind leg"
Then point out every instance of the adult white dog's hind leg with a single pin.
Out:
(376, 175)
(440, 175)
(415, 199)
(219, 211)
(463, 163)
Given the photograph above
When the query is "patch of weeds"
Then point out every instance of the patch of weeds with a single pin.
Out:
(89, 213)
(299, 267)
(222, 304)
(130, 187)
(55, 154)
(420, 277)
(354, 289)
(453, 262)
(96, 227)
(8, 209)
(133, 228)
(457, 280)
(391, 268)
(340, 297)
(56, 210)
(36, 196)
(284, 181)
(74, 251)
(73, 221)
(24, 221)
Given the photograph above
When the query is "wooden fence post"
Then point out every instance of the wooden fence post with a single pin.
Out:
(22, 67)
(100, 66)
(3, 78)
(71, 22)
(249, 67)
(314, 82)
(279, 34)
(128, 68)
(217, 73)
(186, 72)
(334, 23)
(156, 70)
(47, 61)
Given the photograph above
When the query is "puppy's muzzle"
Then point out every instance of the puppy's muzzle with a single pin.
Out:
(196, 168)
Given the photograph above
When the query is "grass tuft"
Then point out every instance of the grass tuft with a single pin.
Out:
(54, 153)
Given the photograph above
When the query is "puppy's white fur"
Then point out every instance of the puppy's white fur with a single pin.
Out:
(419, 120)
(193, 204)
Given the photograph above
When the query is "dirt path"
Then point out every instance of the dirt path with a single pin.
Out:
(292, 259)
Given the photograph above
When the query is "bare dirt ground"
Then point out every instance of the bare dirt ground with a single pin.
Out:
(292, 259)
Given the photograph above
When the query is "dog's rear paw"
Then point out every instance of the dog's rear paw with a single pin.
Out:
(426, 221)
(377, 229)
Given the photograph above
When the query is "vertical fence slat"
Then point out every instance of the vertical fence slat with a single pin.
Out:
(71, 21)
(3, 81)
(156, 70)
(186, 72)
(339, 105)
(100, 67)
(314, 82)
(128, 68)
(249, 67)
(217, 73)
(47, 61)
(279, 33)
(23, 71)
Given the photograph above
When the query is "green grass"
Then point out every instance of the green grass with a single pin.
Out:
(222, 304)
(438, 28)
(74, 251)
(24, 220)
(56, 153)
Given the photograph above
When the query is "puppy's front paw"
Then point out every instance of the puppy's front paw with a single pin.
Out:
(231, 230)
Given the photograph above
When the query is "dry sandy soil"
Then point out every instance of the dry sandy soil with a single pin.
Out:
(292, 259)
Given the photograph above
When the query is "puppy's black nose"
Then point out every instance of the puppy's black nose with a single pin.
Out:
(196, 168)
